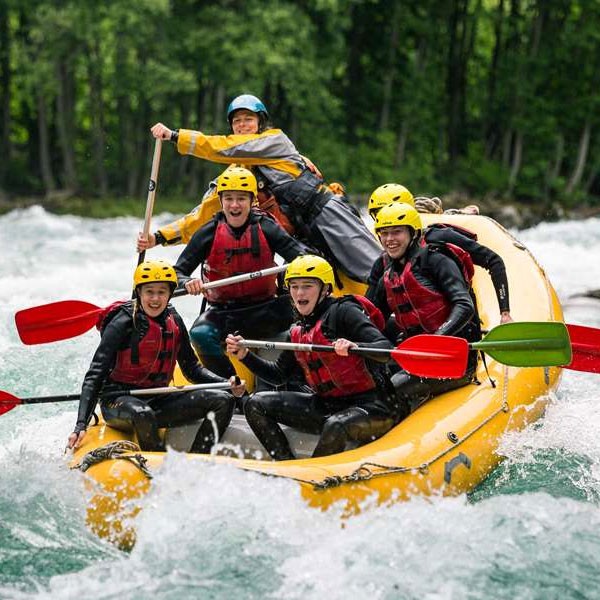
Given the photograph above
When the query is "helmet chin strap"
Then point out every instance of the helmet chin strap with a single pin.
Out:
(323, 293)
(415, 238)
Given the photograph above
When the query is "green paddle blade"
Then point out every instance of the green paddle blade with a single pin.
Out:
(528, 344)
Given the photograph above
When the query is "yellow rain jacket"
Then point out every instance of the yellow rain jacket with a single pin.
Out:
(182, 230)
(272, 150)
(247, 150)
(273, 155)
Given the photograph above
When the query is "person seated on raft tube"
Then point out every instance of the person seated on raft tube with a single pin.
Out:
(351, 397)
(320, 217)
(239, 239)
(439, 233)
(142, 339)
(425, 288)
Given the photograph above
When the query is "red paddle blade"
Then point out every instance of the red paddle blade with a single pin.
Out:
(55, 321)
(435, 356)
(585, 342)
(7, 402)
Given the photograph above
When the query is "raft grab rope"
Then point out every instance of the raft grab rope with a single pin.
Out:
(112, 451)
(365, 471)
(117, 449)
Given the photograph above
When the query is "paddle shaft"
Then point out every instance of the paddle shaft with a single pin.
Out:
(244, 277)
(530, 342)
(309, 347)
(520, 344)
(424, 347)
(181, 388)
(208, 286)
(69, 318)
(151, 194)
(433, 356)
(141, 392)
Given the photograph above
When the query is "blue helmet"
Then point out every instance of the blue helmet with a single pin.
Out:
(249, 102)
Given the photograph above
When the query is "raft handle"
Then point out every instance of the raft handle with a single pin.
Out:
(453, 437)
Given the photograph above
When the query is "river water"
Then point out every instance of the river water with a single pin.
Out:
(531, 530)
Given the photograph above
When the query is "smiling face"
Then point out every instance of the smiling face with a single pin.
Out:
(236, 207)
(154, 297)
(395, 240)
(244, 121)
(306, 292)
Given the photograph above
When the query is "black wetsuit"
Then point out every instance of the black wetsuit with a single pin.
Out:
(437, 271)
(481, 256)
(252, 320)
(145, 415)
(357, 417)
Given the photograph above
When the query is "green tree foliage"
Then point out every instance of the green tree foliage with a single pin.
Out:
(489, 97)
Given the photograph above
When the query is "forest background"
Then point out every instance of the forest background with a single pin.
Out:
(492, 101)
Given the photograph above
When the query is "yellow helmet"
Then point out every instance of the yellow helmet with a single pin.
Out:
(151, 271)
(386, 193)
(237, 179)
(396, 214)
(310, 266)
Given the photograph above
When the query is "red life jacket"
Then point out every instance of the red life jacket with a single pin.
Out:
(466, 263)
(157, 355)
(459, 255)
(268, 203)
(330, 375)
(230, 256)
(107, 314)
(416, 306)
(370, 310)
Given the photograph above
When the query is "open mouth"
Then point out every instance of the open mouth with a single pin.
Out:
(392, 246)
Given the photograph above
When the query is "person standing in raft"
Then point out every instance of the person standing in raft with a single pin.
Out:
(351, 397)
(239, 239)
(142, 339)
(426, 287)
(441, 233)
(320, 217)
(181, 230)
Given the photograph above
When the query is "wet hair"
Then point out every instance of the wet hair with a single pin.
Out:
(264, 122)
(416, 235)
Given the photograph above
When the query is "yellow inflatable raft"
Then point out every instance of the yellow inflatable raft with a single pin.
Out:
(447, 446)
